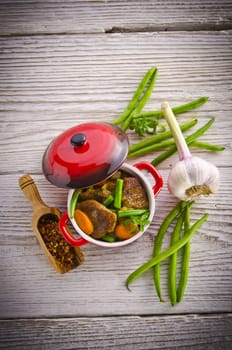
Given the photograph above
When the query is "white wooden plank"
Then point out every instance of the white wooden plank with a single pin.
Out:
(31, 17)
(126, 333)
(66, 68)
(34, 140)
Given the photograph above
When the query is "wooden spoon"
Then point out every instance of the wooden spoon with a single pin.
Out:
(41, 210)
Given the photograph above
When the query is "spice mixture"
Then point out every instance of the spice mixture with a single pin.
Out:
(56, 244)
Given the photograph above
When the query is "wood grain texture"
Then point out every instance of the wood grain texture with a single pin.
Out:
(56, 17)
(50, 84)
(65, 69)
(63, 63)
(97, 287)
(211, 332)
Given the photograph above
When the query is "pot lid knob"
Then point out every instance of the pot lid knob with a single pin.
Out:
(78, 140)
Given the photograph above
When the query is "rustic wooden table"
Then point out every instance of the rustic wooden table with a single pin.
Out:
(66, 62)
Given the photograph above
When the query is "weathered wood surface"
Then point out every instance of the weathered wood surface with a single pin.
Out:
(106, 16)
(128, 333)
(68, 79)
(97, 287)
(87, 72)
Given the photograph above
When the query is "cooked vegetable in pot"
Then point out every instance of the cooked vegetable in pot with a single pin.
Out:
(114, 210)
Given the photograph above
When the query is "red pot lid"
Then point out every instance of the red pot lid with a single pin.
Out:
(85, 155)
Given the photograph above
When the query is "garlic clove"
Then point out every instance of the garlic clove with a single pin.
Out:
(179, 180)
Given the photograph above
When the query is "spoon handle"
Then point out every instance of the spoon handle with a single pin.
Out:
(31, 192)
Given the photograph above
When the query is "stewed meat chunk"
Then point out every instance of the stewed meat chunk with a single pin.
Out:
(134, 196)
(99, 193)
(103, 219)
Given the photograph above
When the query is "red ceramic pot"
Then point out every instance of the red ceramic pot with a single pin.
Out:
(86, 155)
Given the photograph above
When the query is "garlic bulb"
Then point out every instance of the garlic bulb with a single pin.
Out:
(191, 177)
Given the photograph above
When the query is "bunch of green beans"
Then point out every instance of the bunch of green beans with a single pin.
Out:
(139, 99)
(176, 212)
(189, 140)
(180, 214)
(157, 259)
(134, 118)
(158, 142)
(182, 232)
(182, 222)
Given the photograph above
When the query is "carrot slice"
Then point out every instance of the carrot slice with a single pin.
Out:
(125, 231)
(83, 221)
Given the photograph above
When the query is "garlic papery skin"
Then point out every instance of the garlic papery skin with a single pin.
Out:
(191, 177)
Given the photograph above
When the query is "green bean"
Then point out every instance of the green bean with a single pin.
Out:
(185, 259)
(137, 96)
(118, 193)
(161, 137)
(131, 212)
(166, 253)
(189, 139)
(159, 240)
(176, 110)
(73, 202)
(156, 147)
(108, 238)
(108, 200)
(141, 103)
(207, 146)
(126, 123)
(163, 156)
(173, 260)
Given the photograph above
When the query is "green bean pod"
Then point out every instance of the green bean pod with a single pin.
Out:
(207, 146)
(185, 259)
(108, 238)
(189, 139)
(108, 200)
(176, 110)
(118, 193)
(159, 240)
(160, 137)
(156, 147)
(166, 253)
(142, 101)
(173, 260)
(73, 202)
(131, 212)
(136, 98)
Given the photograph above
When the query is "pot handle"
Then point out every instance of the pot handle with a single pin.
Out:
(154, 172)
(66, 233)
